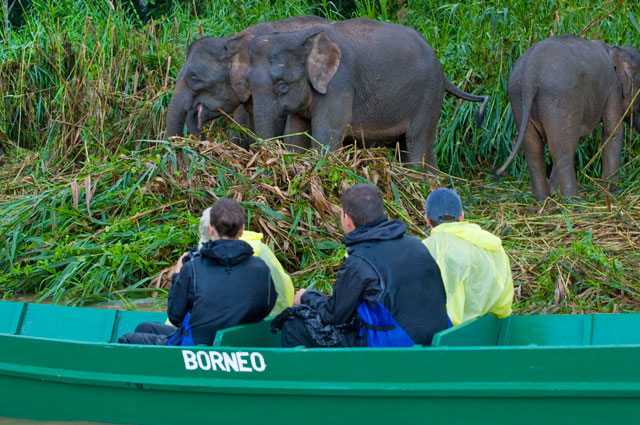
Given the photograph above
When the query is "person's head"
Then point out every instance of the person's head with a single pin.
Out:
(224, 220)
(443, 206)
(361, 204)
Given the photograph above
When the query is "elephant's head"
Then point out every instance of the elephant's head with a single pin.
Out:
(626, 61)
(208, 81)
(286, 69)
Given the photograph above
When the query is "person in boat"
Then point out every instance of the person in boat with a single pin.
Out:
(474, 266)
(222, 285)
(388, 291)
(281, 279)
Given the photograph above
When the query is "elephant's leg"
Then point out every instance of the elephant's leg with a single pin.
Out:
(331, 116)
(533, 149)
(612, 150)
(421, 134)
(296, 125)
(554, 179)
(562, 138)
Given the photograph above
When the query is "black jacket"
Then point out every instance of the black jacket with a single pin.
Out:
(414, 293)
(223, 286)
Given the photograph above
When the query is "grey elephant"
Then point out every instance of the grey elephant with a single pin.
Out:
(560, 89)
(209, 79)
(357, 78)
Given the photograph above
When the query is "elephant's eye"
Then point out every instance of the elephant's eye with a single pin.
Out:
(195, 80)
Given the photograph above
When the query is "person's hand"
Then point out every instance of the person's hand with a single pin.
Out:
(298, 296)
(178, 266)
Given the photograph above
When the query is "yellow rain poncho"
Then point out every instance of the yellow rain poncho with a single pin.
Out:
(475, 270)
(281, 279)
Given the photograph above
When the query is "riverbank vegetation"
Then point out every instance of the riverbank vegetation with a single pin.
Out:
(95, 206)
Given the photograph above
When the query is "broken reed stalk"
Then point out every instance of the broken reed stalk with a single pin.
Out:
(293, 199)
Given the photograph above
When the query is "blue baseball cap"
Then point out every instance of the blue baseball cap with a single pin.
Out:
(443, 205)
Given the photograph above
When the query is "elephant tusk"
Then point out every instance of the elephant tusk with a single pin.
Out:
(199, 114)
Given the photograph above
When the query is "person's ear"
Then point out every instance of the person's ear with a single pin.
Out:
(240, 232)
(346, 222)
(428, 221)
(461, 216)
(213, 233)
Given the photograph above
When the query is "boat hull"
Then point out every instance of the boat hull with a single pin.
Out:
(64, 380)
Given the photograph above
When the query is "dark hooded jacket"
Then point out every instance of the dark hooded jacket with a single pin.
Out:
(379, 253)
(222, 286)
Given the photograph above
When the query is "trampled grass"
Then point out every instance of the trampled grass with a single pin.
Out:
(85, 86)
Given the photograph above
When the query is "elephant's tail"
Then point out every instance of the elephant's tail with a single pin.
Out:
(471, 97)
(526, 112)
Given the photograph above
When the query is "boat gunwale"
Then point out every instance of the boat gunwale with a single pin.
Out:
(322, 349)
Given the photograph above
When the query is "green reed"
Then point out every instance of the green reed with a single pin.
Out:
(84, 88)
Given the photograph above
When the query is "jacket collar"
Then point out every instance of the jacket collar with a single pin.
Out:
(226, 252)
(378, 230)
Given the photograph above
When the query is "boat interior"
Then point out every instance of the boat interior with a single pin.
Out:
(105, 326)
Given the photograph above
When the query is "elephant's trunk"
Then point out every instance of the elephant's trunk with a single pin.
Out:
(268, 122)
(177, 110)
(636, 122)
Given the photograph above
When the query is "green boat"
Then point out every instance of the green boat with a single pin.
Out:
(61, 363)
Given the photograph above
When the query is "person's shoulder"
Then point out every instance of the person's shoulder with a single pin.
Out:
(412, 242)
(410, 239)
(257, 264)
(355, 263)
(439, 237)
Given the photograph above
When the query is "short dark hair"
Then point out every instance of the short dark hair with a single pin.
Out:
(227, 217)
(363, 203)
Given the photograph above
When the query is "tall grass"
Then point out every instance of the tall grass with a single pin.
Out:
(93, 208)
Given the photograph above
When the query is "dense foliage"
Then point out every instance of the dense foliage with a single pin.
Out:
(93, 207)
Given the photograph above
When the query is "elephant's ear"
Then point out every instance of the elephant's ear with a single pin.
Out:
(323, 60)
(622, 65)
(238, 49)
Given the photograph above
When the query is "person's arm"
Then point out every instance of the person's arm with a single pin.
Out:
(285, 286)
(272, 295)
(355, 277)
(179, 300)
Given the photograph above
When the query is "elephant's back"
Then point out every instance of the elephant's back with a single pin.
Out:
(393, 53)
(562, 64)
(391, 39)
(295, 23)
(566, 52)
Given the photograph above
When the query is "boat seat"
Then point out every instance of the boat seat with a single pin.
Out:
(548, 330)
(10, 314)
(70, 323)
(126, 321)
(67, 323)
(249, 335)
(614, 329)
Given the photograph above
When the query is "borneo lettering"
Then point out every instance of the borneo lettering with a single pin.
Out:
(240, 361)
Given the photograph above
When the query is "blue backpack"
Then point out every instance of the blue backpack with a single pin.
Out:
(183, 335)
(378, 328)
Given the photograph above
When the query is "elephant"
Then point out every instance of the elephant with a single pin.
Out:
(560, 89)
(208, 79)
(362, 79)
